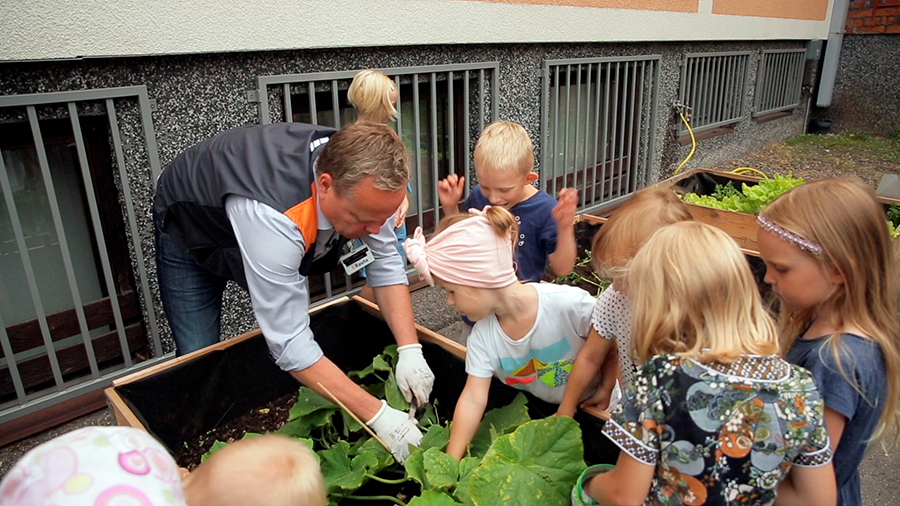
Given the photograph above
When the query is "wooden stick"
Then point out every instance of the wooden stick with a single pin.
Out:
(360, 422)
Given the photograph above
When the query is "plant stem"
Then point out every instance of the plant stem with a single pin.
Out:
(387, 481)
(376, 498)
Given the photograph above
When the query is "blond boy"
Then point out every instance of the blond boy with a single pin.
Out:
(504, 167)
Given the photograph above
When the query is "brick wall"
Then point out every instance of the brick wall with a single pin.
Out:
(874, 16)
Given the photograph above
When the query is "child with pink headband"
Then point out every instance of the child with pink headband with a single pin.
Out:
(99, 466)
(527, 335)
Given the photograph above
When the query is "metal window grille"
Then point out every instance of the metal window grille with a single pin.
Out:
(598, 117)
(51, 355)
(779, 80)
(714, 87)
(442, 109)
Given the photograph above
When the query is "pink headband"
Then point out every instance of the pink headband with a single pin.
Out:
(790, 237)
(468, 253)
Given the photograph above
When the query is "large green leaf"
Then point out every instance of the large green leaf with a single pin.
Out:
(378, 457)
(466, 466)
(441, 469)
(308, 401)
(432, 498)
(350, 424)
(537, 464)
(303, 426)
(435, 437)
(339, 472)
(503, 420)
(392, 394)
(415, 467)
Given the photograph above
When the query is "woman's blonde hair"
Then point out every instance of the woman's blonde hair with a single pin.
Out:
(843, 216)
(503, 222)
(370, 94)
(631, 225)
(693, 294)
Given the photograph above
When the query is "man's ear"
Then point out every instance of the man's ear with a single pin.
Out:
(324, 183)
(532, 177)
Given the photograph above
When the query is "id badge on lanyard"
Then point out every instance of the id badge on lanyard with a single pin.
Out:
(356, 256)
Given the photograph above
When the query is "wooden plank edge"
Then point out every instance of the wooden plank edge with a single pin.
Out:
(49, 417)
(424, 334)
(124, 416)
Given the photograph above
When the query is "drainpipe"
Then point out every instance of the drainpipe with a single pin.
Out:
(832, 52)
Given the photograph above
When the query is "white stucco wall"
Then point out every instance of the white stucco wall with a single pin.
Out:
(53, 29)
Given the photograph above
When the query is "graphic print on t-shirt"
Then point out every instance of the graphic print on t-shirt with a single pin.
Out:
(544, 365)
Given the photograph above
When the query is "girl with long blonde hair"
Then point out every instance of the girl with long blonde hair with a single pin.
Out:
(829, 259)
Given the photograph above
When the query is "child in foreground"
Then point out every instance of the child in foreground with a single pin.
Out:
(527, 335)
(615, 244)
(504, 167)
(98, 466)
(828, 258)
(714, 416)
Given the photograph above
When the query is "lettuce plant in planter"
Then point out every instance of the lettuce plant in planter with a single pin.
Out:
(512, 459)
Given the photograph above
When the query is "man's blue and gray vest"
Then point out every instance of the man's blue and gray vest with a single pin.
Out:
(272, 164)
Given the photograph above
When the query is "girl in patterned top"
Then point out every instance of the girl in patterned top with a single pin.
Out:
(615, 244)
(828, 258)
(714, 416)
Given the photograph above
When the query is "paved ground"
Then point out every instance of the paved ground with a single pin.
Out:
(881, 485)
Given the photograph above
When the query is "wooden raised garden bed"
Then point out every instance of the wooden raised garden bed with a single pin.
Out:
(187, 398)
(741, 227)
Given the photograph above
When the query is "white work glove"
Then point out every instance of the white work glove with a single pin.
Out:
(414, 377)
(396, 429)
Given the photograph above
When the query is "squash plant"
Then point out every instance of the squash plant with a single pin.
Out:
(511, 460)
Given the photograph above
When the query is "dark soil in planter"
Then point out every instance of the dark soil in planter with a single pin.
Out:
(268, 418)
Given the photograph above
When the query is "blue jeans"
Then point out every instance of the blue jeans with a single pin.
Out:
(191, 296)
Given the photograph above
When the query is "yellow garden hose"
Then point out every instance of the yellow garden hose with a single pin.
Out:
(737, 171)
(693, 143)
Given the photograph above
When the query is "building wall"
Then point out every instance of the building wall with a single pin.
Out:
(198, 96)
(53, 29)
(867, 90)
(873, 16)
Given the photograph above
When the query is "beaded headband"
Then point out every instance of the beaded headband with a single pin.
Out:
(790, 237)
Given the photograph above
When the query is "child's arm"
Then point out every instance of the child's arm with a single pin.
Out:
(562, 260)
(450, 190)
(835, 423)
(609, 373)
(587, 364)
(467, 416)
(628, 483)
(808, 486)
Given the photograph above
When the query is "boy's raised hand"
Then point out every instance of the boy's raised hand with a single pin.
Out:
(564, 211)
(450, 190)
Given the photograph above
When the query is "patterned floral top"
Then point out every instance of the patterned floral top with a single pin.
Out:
(720, 433)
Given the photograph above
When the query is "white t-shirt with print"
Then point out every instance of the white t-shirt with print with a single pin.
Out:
(611, 318)
(541, 361)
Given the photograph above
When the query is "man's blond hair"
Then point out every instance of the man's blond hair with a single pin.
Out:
(504, 145)
(363, 149)
(266, 470)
